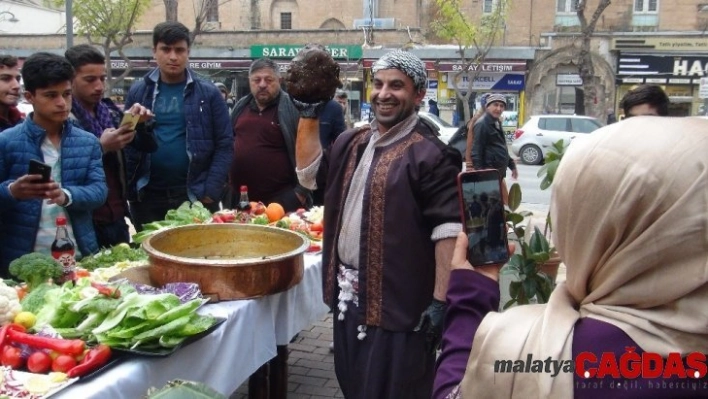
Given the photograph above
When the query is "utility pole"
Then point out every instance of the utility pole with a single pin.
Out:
(69, 24)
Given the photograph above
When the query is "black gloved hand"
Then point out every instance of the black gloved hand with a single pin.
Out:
(308, 110)
(431, 323)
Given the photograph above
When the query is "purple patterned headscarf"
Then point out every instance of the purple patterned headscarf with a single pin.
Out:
(406, 63)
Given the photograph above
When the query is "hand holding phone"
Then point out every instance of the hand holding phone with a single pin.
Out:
(131, 119)
(39, 168)
(483, 217)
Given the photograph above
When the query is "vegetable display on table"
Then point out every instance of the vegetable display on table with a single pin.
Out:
(187, 213)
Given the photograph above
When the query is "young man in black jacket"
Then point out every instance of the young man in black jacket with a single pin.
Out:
(489, 149)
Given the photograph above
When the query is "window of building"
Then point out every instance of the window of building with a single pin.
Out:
(488, 6)
(286, 20)
(646, 6)
(212, 9)
(567, 6)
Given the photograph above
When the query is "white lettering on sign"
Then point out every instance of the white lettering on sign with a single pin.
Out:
(119, 65)
(205, 65)
(484, 68)
(696, 68)
(280, 52)
(515, 83)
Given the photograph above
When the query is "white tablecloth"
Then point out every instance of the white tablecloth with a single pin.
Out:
(225, 358)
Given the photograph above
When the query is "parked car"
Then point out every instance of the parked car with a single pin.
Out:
(25, 108)
(536, 136)
(445, 130)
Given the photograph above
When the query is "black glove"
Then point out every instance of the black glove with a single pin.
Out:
(307, 110)
(431, 324)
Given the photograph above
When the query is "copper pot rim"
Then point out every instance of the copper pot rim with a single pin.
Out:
(154, 253)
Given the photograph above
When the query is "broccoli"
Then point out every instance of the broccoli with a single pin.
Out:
(35, 269)
(35, 299)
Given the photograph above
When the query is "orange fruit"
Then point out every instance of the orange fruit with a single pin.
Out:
(274, 211)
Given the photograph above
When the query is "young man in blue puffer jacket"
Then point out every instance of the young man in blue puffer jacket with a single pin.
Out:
(194, 137)
(28, 207)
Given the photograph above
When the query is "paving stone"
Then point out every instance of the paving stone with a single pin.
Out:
(307, 380)
(322, 365)
(323, 374)
(309, 356)
(301, 347)
(321, 391)
(315, 342)
(298, 370)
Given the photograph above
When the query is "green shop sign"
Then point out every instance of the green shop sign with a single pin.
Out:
(338, 52)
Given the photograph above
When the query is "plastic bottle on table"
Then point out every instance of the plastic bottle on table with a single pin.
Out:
(63, 249)
(243, 204)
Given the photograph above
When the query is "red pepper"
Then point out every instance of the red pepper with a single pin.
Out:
(95, 358)
(72, 347)
(106, 290)
(3, 334)
(217, 219)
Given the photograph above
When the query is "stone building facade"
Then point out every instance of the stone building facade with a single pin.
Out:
(539, 46)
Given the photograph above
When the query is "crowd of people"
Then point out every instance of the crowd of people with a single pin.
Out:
(190, 144)
(629, 215)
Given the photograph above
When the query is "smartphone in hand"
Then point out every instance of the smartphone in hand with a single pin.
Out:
(131, 119)
(483, 217)
(39, 168)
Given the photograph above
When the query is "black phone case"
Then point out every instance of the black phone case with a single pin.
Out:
(39, 168)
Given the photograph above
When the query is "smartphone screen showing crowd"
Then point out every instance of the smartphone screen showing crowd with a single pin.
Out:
(482, 213)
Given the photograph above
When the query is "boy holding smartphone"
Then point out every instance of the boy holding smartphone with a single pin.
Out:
(28, 207)
(115, 130)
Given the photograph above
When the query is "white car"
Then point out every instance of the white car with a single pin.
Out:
(25, 108)
(535, 137)
(445, 129)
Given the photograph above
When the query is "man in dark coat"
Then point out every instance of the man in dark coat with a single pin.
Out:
(391, 208)
(489, 150)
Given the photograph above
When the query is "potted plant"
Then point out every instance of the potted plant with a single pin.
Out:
(535, 266)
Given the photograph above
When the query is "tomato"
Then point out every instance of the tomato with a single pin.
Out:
(39, 362)
(79, 272)
(63, 363)
(317, 226)
(12, 356)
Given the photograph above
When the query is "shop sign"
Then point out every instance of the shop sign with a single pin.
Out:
(337, 51)
(642, 66)
(218, 64)
(497, 66)
(488, 81)
(661, 44)
(703, 88)
(569, 79)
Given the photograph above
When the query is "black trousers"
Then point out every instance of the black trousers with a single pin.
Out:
(385, 364)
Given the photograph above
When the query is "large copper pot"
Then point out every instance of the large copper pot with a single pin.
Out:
(228, 261)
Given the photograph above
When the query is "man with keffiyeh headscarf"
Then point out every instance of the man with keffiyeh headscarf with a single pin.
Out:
(100, 116)
(391, 211)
